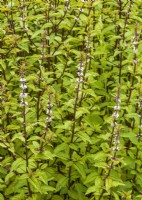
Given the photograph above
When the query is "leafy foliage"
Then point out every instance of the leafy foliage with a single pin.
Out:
(71, 100)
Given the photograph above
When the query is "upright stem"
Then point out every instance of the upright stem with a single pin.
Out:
(79, 81)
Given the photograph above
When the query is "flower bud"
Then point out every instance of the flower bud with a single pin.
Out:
(115, 115)
(48, 119)
(23, 95)
(23, 86)
(116, 107)
(22, 80)
(115, 149)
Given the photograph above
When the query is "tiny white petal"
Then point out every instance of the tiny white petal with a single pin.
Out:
(23, 95)
(115, 115)
(135, 50)
(80, 68)
(22, 80)
(118, 101)
(135, 42)
(49, 112)
(116, 136)
(116, 142)
(113, 124)
(135, 61)
(76, 18)
(80, 80)
(23, 86)
(115, 149)
(22, 103)
(79, 74)
(49, 105)
(88, 47)
(48, 119)
(117, 107)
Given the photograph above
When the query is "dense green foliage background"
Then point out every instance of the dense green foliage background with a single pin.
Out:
(71, 99)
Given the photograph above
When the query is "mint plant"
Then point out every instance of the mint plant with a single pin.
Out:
(71, 100)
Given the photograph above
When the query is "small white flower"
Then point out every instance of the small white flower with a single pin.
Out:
(80, 68)
(118, 101)
(23, 19)
(88, 47)
(115, 115)
(80, 80)
(115, 149)
(116, 142)
(23, 86)
(117, 107)
(26, 28)
(135, 50)
(4, 32)
(23, 95)
(80, 9)
(135, 42)
(88, 60)
(113, 124)
(48, 119)
(22, 103)
(110, 166)
(22, 80)
(139, 135)
(67, 7)
(76, 18)
(48, 112)
(49, 105)
(79, 74)
(135, 61)
(116, 136)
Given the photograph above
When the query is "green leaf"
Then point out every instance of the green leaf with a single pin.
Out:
(61, 183)
(60, 147)
(91, 189)
(84, 137)
(13, 127)
(131, 136)
(57, 197)
(93, 119)
(48, 155)
(19, 163)
(1, 197)
(116, 196)
(108, 184)
(36, 184)
(16, 185)
(18, 136)
(81, 111)
(37, 33)
(24, 44)
(8, 176)
(81, 169)
(91, 177)
(100, 156)
(2, 63)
